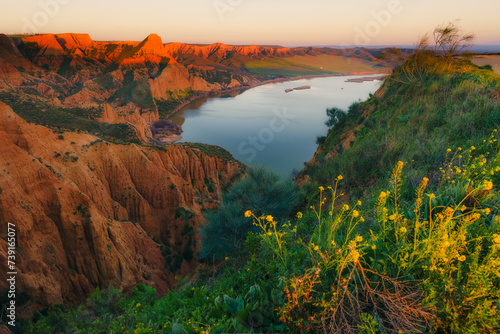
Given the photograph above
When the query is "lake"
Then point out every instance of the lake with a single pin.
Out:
(264, 126)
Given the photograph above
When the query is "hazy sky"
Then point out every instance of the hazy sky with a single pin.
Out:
(283, 22)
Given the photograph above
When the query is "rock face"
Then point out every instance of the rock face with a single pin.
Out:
(141, 122)
(89, 213)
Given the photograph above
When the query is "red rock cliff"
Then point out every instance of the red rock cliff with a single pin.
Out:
(89, 213)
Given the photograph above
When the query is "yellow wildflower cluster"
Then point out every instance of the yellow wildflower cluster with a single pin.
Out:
(488, 185)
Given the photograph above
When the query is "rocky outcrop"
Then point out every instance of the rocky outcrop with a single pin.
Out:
(133, 117)
(221, 51)
(150, 50)
(90, 213)
(173, 77)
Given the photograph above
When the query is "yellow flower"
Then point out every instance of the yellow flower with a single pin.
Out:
(446, 244)
(472, 148)
(361, 219)
(299, 215)
(316, 248)
(461, 258)
(463, 208)
(321, 188)
(374, 247)
(402, 230)
(358, 203)
(138, 304)
(448, 150)
(340, 177)
(392, 217)
(355, 213)
(248, 213)
(359, 238)
(400, 164)
(488, 185)
(487, 211)
(431, 196)
(425, 180)
(269, 218)
(383, 194)
(496, 239)
(345, 207)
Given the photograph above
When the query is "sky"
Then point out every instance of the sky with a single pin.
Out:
(262, 22)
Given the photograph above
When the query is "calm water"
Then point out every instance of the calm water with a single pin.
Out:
(264, 126)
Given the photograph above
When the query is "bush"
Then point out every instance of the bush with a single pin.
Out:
(261, 191)
(430, 264)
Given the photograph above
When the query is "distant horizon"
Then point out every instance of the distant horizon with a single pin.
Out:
(288, 23)
(493, 44)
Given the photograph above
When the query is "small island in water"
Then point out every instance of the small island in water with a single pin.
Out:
(297, 88)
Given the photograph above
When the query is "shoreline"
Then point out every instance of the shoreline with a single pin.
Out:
(265, 82)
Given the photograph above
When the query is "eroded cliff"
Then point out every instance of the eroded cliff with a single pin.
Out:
(90, 213)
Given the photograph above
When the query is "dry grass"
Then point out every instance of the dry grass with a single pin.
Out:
(312, 65)
(396, 304)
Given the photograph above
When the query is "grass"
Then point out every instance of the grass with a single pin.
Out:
(211, 150)
(311, 65)
(67, 119)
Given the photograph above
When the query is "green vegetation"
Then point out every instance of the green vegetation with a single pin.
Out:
(211, 150)
(174, 99)
(216, 76)
(311, 65)
(455, 108)
(137, 92)
(106, 81)
(227, 227)
(70, 119)
(400, 234)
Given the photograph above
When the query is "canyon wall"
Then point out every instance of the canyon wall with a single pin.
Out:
(91, 213)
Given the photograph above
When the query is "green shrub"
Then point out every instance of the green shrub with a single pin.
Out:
(261, 191)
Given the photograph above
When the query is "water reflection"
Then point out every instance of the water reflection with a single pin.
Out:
(267, 127)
